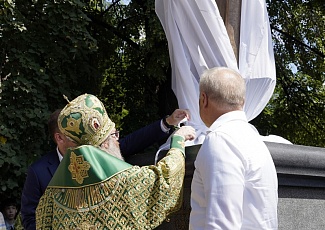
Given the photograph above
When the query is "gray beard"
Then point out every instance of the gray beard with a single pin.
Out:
(114, 149)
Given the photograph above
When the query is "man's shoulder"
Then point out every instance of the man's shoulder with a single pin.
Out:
(49, 157)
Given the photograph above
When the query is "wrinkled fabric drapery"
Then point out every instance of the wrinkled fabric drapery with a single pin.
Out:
(198, 40)
(256, 57)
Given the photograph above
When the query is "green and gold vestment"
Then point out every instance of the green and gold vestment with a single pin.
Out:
(94, 190)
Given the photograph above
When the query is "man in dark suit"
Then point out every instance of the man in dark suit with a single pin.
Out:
(41, 172)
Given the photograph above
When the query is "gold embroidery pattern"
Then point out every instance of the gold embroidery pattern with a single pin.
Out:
(78, 167)
(137, 198)
(86, 226)
(73, 125)
(85, 120)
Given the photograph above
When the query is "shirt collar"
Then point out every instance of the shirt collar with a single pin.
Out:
(230, 116)
(59, 154)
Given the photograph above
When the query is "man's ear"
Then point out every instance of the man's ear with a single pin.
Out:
(57, 137)
(204, 99)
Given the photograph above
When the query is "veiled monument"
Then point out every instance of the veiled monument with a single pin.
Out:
(300, 169)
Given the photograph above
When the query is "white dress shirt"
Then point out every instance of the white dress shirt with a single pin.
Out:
(59, 154)
(235, 183)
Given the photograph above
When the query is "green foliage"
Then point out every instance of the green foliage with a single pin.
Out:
(136, 69)
(50, 48)
(297, 109)
(46, 51)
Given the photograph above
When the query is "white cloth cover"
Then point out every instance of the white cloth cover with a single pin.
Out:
(256, 57)
(198, 40)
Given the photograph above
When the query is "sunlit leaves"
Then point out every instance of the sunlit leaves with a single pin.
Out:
(46, 51)
(298, 29)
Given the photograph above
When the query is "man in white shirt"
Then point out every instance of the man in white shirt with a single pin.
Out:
(234, 184)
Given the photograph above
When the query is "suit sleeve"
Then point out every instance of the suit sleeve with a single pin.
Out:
(29, 200)
(141, 139)
(38, 177)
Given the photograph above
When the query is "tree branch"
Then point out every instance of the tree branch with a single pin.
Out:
(316, 51)
(115, 31)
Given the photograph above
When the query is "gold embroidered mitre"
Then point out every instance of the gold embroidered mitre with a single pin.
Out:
(85, 120)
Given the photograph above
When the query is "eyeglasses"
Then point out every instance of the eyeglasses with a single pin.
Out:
(116, 134)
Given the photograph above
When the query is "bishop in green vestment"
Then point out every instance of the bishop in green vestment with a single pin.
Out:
(92, 189)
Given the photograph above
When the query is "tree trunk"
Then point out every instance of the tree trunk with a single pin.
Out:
(230, 12)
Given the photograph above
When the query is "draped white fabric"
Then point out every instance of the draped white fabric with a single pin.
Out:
(198, 40)
(256, 57)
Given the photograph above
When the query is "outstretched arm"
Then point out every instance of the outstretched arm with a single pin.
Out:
(150, 134)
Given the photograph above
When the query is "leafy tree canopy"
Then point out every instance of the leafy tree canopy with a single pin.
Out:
(297, 109)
